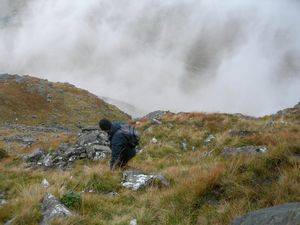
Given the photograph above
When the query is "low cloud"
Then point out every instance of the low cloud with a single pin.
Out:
(231, 56)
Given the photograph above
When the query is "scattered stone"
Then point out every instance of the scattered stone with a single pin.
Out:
(136, 180)
(156, 121)
(2, 194)
(20, 139)
(246, 150)
(155, 115)
(242, 133)
(133, 222)
(38, 129)
(246, 117)
(52, 208)
(207, 153)
(278, 215)
(154, 141)
(209, 140)
(283, 123)
(270, 124)
(9, 222)
(184, 145)
(2, 202)
(45, 183)
(112, 194)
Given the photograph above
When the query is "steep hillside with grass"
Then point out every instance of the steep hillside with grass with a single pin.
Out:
(33, 101)
(206, 186)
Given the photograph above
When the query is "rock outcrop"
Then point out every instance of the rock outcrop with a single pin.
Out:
(91, 144)
(287, 214)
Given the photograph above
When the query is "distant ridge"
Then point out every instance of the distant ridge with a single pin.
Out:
(32, 101)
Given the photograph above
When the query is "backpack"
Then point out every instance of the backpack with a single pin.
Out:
(131, 134)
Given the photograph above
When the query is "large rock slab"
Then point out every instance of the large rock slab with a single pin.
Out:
(52, 208)
(136, 180)
(287, 214)
(246, 150)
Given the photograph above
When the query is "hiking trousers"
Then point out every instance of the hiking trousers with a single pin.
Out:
(126, 154)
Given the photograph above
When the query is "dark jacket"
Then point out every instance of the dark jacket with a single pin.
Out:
(118, 143)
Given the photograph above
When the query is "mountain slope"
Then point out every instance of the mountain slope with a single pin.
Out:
(32, 101)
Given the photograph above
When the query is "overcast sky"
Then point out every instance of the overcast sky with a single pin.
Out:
(179, 55)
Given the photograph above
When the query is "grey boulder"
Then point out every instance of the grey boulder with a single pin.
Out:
(135, 180)
(52, 208)
(287, 214)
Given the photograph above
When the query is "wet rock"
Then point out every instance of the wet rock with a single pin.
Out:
(136, 180)
(52, 208)
(246, 150)
(279, 215)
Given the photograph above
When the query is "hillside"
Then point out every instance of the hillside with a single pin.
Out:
(32, 101)
(218, 167)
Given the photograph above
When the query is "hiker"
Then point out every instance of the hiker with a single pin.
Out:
(123, 140)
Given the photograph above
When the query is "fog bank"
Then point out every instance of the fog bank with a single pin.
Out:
(178, 55)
